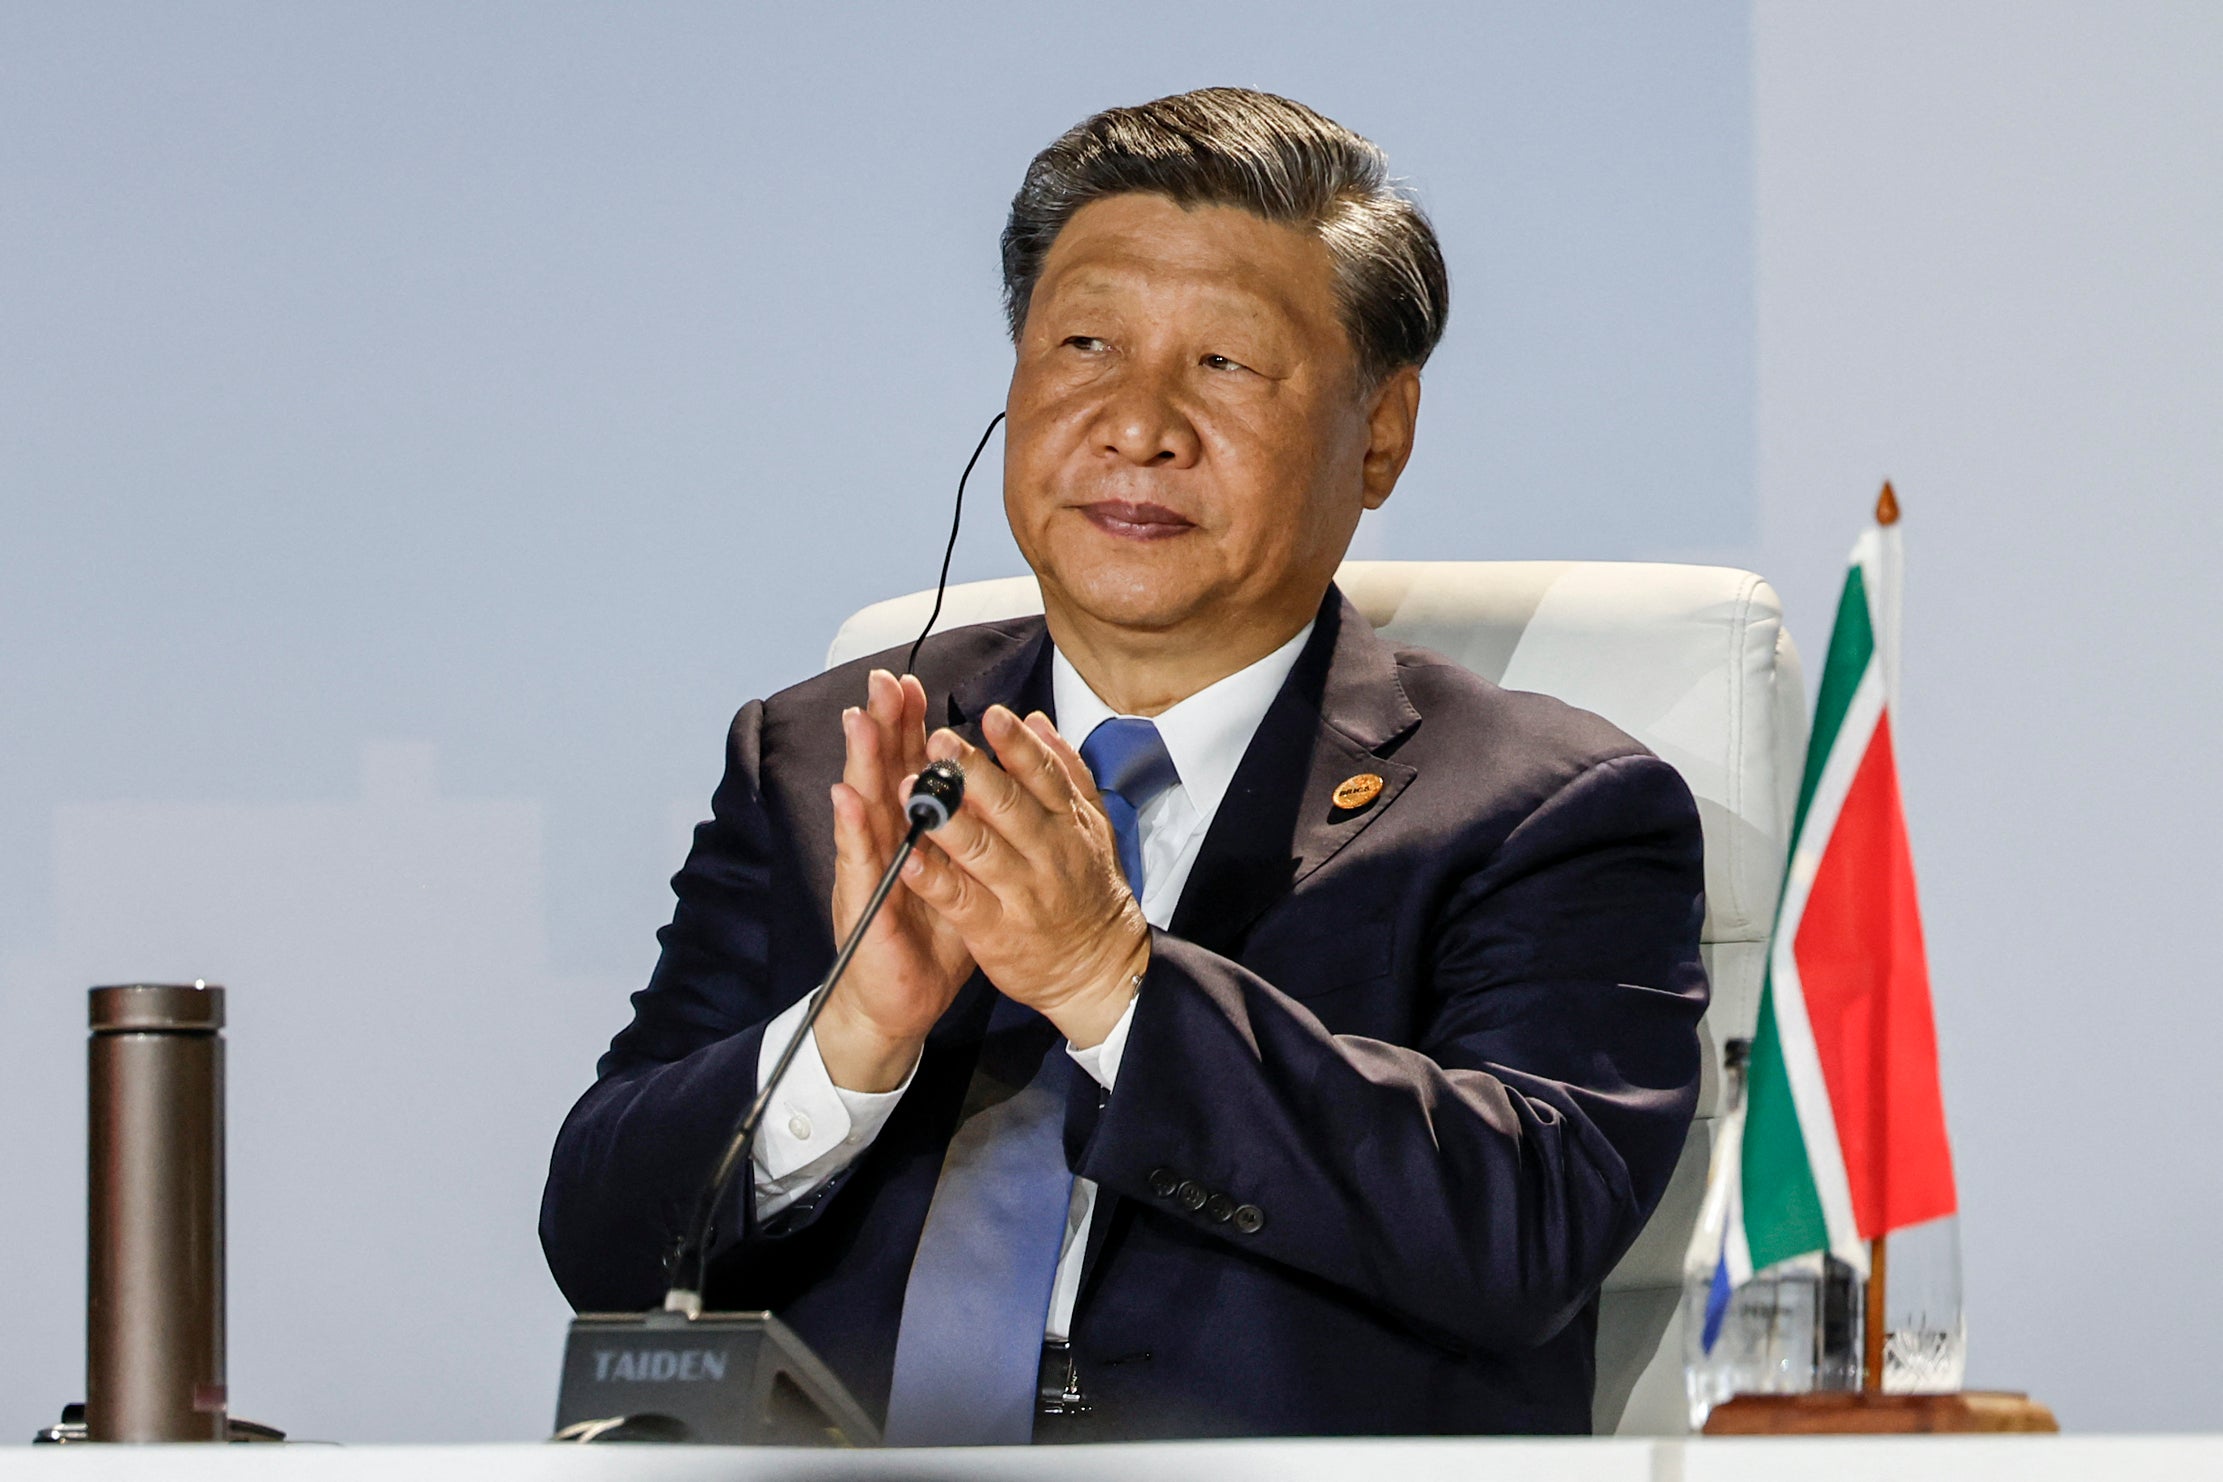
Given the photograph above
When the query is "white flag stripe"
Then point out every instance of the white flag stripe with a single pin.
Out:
(1794, 1030)
(1736, 1254)
(1878, 555)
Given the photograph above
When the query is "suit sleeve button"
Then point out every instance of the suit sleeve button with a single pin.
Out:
(1219, 1208)
(1191, 1194)
(1249, 1219)
(1163, 1182)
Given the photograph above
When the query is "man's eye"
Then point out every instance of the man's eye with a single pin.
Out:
(1086, 342)
(1222, 363)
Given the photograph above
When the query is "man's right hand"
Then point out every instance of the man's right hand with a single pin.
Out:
(911, 963)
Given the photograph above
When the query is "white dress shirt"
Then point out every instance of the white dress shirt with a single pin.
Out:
(816, 1128)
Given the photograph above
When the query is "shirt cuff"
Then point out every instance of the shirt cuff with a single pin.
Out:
(811, 1120)
(1102, 1061)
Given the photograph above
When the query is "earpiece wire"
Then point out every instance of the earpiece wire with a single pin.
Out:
(957, 519)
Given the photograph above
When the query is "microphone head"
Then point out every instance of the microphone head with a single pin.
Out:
(936, 794)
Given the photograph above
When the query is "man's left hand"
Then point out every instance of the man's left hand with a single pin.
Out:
(1028, 873)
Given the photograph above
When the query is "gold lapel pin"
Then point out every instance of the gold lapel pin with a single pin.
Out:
(1357, 792)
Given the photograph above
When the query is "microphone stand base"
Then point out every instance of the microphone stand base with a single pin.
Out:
(724, 1378)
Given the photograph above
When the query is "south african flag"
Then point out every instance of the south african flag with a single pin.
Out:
(1844, 1126)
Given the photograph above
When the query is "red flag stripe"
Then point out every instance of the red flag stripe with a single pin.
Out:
(1866, 984)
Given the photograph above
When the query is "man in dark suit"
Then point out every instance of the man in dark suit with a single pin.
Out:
(1290, 1032)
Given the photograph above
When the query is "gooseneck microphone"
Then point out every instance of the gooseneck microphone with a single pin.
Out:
(934, 800)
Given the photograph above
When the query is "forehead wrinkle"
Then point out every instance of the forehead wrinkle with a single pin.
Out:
(1149, 238)
(1126, 283)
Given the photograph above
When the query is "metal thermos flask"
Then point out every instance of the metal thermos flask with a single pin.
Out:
(154, 1311)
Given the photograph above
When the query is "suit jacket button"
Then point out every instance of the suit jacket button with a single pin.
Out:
(1250, 1219)
(1163, 1181)
(1191, 1194)
(1219, 1208)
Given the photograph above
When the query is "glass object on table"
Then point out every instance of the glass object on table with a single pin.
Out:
(1763, 1335)
(1791, 1328)
(1925, 1338)
(1765, 1344)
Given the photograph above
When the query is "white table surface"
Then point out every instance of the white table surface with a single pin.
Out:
(1804, 1459)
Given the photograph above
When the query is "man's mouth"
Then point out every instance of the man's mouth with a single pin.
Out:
(1134, 521)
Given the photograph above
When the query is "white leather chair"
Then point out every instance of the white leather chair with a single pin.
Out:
(1691, 660)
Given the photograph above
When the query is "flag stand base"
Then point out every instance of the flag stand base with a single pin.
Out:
(1859, 1413)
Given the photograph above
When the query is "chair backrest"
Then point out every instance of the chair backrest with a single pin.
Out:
(1694, 662)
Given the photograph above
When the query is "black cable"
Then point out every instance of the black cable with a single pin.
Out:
(911, 664)
(690, 1267)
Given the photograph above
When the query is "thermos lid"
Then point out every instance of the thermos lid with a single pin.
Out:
(157, 1006)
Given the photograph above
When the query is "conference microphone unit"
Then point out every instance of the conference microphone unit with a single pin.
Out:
(731, 1378)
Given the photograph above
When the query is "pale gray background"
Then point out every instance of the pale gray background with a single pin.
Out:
(1991, 266)
(420, 426)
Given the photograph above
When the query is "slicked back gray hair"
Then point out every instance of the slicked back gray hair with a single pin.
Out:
(1227, 146)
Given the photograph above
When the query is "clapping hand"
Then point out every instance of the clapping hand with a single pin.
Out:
(912, 960)
(1027, 876)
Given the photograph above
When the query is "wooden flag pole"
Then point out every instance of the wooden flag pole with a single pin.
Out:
(1871, 1365)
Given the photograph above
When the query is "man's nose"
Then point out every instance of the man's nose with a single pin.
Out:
(1142, 424)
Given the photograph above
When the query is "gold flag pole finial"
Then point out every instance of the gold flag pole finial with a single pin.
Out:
(1887, 506)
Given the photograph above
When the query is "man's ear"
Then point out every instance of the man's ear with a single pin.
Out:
(1392, 413)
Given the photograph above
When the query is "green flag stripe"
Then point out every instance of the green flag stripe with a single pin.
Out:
(1783, 1215)
(1782, 1209)
(1852, 644)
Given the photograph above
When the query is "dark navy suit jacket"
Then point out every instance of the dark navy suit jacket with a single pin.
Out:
(1443, 1045)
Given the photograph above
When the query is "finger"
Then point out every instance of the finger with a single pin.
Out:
(857, 763)
(1076, 770)
(999, 826)
(883, 697)
(982, 851)
(884, 703)
(865, 772)
(991, 797)
(1029, 760)
(948, 890)
(913, 733)
(857, 862)
(903, 732)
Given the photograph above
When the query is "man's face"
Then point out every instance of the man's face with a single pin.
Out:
(1188, 447)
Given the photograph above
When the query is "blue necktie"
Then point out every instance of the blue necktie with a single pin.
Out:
(1132, 767)
(968, 1352)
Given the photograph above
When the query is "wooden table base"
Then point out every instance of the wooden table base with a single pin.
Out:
(1859, 1414)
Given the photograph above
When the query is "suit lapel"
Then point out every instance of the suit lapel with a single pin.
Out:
(1020, 680)
(1341, 706)
(1334, 720)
